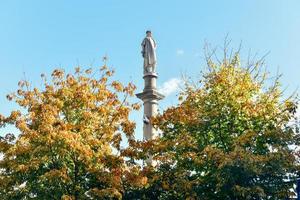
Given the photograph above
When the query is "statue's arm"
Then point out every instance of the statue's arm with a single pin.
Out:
(143, 48)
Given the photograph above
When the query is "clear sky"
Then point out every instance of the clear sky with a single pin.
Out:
(37, 36)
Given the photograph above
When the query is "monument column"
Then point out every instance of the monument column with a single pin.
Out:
(150, 96)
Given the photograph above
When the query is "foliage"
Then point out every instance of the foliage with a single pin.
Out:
(69, 141)
(229, 138)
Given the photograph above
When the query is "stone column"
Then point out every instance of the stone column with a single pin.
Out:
(150, 96)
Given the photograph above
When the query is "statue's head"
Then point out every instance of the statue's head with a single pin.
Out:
(148, 33)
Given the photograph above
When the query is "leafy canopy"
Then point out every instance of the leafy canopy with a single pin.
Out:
(230, 137)
(69, 141)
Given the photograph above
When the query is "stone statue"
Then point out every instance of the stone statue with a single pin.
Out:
(148, 52)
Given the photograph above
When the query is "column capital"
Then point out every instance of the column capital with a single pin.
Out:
(150, 94)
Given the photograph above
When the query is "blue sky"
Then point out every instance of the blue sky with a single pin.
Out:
(38, 36)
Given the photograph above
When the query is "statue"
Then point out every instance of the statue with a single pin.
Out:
(148, 53)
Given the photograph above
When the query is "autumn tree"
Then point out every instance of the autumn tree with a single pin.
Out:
(69, 141)
(230, 137)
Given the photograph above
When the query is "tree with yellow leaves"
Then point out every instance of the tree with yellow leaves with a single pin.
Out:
(69, 141)
(229, 138)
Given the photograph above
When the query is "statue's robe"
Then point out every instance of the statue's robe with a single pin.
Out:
(148, 52)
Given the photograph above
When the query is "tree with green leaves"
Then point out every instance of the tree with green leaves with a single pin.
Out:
(230, 137)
